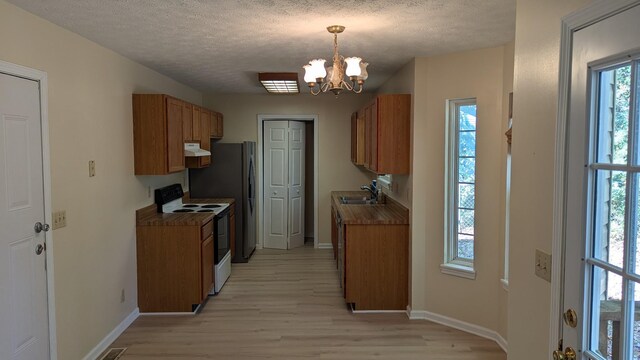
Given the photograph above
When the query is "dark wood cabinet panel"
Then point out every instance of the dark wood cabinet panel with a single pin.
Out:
(157, 134)
(175, 266)
(387, 134)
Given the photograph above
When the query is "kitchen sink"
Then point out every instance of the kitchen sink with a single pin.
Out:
(358, 200)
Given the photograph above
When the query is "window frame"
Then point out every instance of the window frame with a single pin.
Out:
(507, 203)
(454, 265)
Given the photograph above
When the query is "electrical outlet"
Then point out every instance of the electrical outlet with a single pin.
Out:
(59, 219)
(122, 298)
(543, 265)
(92, 168)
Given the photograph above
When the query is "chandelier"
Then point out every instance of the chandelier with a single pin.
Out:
(356, 70)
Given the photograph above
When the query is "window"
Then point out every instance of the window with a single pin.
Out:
(612, 260)
(386, 181)
(460, 188)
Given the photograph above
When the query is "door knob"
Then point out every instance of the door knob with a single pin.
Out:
(568, 354)
(275, 193)
(40, 227)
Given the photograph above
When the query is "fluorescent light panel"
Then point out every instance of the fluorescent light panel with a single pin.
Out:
(280, 83)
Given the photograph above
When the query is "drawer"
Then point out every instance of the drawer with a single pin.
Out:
(207, 230)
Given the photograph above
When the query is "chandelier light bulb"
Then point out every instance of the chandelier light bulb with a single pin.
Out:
(317, 66)
(363, 71)
(309, 76)
(353, 66)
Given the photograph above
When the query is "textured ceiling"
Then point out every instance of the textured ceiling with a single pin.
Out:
(221, 45)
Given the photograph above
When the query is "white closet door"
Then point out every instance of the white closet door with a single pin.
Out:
(24, 333)
(276, 176)
(296, 183)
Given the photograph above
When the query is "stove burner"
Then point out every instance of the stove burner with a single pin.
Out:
(205, 211)
(182, 210)
(190, 205)
(212, 206)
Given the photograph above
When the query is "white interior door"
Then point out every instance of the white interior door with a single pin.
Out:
(23, 290)
(276, 173)
(296, 183)
(602, 256)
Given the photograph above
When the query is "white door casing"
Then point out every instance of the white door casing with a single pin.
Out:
(24, 322)
(595, 47)
(296, 183)
(276, 173)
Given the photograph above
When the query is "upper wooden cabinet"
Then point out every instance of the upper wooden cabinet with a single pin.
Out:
(158, 139)
(357, 138)
(161, 126)
(187, 121)
(387, 134)
(216, 125)
(203, 122)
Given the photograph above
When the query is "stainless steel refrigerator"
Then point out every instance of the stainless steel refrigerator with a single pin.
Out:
(231, 175)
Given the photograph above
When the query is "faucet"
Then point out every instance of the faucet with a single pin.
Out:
(373, 189)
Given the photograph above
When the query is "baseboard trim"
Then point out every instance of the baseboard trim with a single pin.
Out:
(112, 336)
(325, 246)
(458, 324)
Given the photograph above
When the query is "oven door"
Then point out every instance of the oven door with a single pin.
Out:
(221, 238)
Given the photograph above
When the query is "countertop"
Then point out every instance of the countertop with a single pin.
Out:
(390, 212)
(148, 215)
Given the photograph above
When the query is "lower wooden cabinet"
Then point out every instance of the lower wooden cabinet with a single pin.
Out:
(376, 266)
(373, 264)
(175, 267)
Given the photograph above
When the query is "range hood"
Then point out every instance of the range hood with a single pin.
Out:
(194, 150)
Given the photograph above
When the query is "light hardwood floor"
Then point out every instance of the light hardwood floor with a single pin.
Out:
(287, 305)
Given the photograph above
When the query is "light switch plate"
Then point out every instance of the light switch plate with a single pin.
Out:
(543, 265)
(59, 219)
(92, 168)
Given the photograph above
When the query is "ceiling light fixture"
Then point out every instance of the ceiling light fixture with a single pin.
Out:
(279, 83)
(356, 70)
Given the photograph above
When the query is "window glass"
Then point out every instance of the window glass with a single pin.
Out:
(461, 181)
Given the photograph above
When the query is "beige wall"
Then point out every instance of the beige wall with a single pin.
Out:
(469, 74)
(90, 118)
(534, 126)
(480, 74)
(336, 172)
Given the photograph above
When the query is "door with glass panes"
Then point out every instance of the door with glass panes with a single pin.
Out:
(601, 297)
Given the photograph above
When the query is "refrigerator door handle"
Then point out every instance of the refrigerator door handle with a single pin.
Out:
(250, 181)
